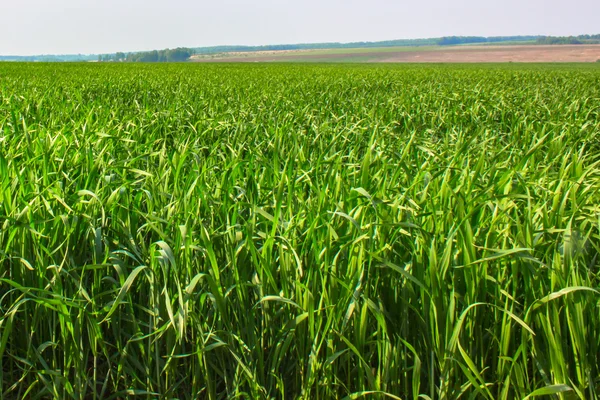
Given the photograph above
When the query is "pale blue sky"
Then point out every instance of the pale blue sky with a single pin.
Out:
(101, 26)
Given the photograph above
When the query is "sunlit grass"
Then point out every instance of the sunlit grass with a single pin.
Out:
(288, 231)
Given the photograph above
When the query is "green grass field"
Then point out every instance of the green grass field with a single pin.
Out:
(299, 231)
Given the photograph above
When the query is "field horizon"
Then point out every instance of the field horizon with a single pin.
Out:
(343, 48)
(471, 53)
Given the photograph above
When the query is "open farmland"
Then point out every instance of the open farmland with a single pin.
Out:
(421, 54)
(299, 231)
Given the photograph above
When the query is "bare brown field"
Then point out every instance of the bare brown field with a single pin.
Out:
(457, 54)
(478, 54)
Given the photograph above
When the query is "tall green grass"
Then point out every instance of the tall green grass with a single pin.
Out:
(287, 231)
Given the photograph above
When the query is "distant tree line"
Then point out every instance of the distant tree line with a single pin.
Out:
(179, 54)
(315, 46)
(558, 40)
(454, 40)
(581, 39)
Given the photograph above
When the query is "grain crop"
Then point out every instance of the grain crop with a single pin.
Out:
(299, 231)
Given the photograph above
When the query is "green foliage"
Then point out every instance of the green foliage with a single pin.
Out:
(457, 40)
(581, 39)
(454, 40)
(169, 55)
(179, 54)
(299, 231)
(558, 40)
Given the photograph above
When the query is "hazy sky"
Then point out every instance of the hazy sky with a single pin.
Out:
(30, 27)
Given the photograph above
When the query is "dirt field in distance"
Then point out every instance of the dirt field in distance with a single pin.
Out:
(455, 54)
(532, 53)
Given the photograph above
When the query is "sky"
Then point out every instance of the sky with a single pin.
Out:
(33, 27)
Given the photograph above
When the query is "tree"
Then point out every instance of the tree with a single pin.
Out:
(179, 54)
(168, 55)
